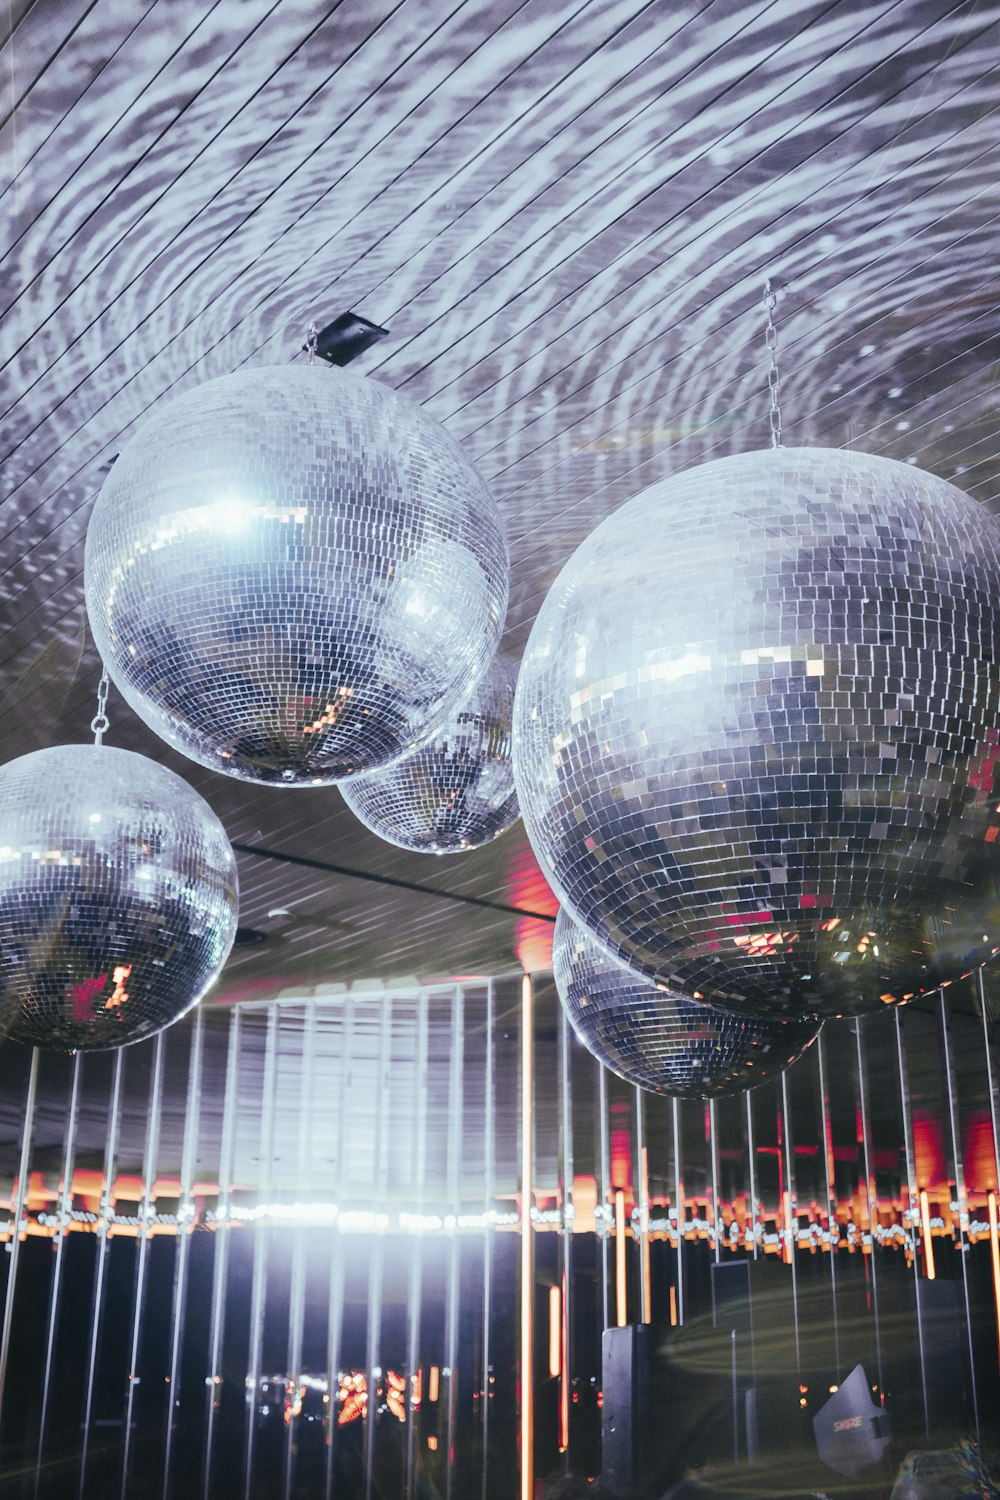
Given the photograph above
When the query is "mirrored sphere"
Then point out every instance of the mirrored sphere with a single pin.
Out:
(457, 791)
(659, 1039)
(757, 733)
(294, 574)
(118, 897)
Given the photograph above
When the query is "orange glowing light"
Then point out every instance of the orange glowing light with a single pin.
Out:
(352, 1394)
(395, 1395)
(433, 1383)
(432, 1443)
(555, 1337)
(673, 1307)
(119, 994)
(925, 1224)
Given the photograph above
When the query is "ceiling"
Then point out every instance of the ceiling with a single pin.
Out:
(564, 213)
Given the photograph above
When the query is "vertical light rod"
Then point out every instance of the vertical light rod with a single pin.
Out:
(870, 1199)
(991, 1082)
(716, 1210)
(17, 1209)
(643, 1206)
(220, 1266)
(418, 1158)
(527, 1267)
(65, 1204)
(829, 1181)
(914, 1205)
(961, 1195)
(142, 1255)
(751, 1161)
(185, 1229)
(605, 1192)
(621, 1290)
(791, 1211)
(101, 1251)
(647, 1289)
(991, 1204)
(681, 1209)
(488, 1190)
(567, 1169)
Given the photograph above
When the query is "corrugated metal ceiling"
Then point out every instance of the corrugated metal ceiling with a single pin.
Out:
(564, 213)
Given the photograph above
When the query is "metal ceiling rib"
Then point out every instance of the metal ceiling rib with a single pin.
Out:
(563, 210)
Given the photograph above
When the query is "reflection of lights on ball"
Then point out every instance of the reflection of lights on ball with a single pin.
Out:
(757, 732)
(294, 574)
(456, 791)
(661, 1040)
(118, 897)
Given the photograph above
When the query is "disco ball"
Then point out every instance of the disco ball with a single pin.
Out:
(293, 574)
(757, 733)
(659, 1039)
(118, 897)
(457, 791)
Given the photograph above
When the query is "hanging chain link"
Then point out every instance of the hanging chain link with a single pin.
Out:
(311, 340)
(771, 338)
(100, 723)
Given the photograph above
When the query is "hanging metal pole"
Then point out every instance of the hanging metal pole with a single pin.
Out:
(376, 1265)
(752, 1160)
(488, 1233)
(419, 1159)
(681, 1211)
(791, 1223)
(713, 1147)
(17, 1213)
(833, 1227)
(296, 1309)
(65, 1206)
(870, 1199)
(455, 1105)
(145, 1214)
(335, 1317)
(913, 1206)
(103, 1227)
(994, 1114)
(642, 1203)
(960, 1193)
(220, 1273)
(527, 1424)
(185, 1229)
(990, 1077)
(568, 1213)
(605, 1192)
(262, 1244)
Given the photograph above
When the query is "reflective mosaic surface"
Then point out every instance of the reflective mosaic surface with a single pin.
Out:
(293, 574)
(659, 1039)
(757, 732)
(118, 897)
(457, 791)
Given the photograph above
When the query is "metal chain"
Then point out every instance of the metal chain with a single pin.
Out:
(100, 722)
(771, 338)
(311, 340)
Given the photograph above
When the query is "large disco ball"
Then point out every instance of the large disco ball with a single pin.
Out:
(757, 733)
(118, 897)
(659, 1039)
(456, 791)
(293, 574)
